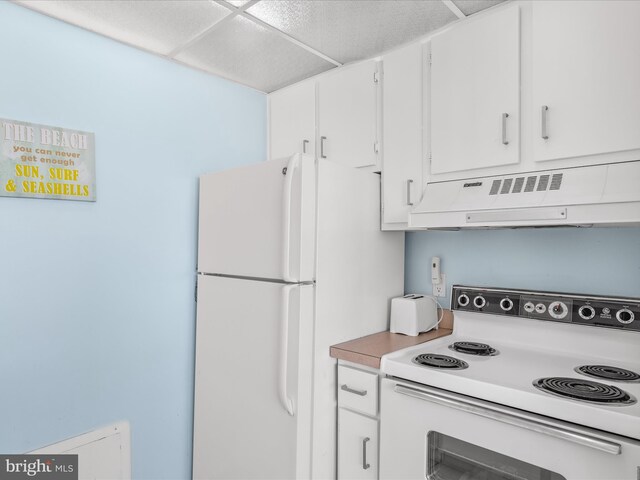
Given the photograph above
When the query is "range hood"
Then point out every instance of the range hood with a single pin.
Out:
(598, 195)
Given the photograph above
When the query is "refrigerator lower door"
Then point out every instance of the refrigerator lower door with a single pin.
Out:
(259, 221)
(246, 385)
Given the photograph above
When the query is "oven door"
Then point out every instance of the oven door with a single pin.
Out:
(427, 433)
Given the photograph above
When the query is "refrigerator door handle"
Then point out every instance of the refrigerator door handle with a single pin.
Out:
(286, 208)
(287, 403)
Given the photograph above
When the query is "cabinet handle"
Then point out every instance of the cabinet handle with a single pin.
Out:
(365, 465)
(322, 139)
(543, 122)
(409, 182)
(362, 393)
(504, 129)
(304, 145)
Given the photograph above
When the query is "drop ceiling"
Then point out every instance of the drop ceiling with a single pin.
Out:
(265, 44)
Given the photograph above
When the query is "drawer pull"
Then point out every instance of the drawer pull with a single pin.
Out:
(362, 393)
(365, 465)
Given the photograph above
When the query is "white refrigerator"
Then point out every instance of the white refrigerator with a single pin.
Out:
(291, 260)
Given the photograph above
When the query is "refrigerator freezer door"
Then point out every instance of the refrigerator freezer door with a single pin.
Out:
(243, 227)
(242, 427)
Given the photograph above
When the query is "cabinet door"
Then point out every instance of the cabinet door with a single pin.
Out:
(347, 115)
(475, 94)
(402, 132)
(292, 120)
(357, 446)
(586, 78)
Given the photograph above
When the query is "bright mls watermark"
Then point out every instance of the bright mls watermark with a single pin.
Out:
(49, 467)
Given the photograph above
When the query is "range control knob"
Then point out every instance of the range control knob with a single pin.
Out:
(587, 312)
(529, 307)
(541, 308)
(463, 300)
(558, 310)
(479, 301)
(506, 304)
(624, 315)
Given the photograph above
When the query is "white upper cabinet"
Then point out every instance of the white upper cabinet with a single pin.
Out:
(402, 133)
(586, 78)
(475, 94)
(347, 115)
(292, 120)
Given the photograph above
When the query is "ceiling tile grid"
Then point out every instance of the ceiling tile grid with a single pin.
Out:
(265, 44)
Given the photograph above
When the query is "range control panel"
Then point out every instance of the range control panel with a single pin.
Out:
(612, 312)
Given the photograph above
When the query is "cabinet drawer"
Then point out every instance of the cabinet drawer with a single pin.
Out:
(358, 390)
(357, 446)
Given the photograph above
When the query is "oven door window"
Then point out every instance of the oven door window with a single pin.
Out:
(451, 459)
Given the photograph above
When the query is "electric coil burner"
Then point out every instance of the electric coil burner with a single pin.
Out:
(540, 368)
(440, 361)
(606, 372)
(474, 348)
(584, 390)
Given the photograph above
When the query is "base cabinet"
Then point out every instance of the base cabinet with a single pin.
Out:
(358, 423)
(357, 446)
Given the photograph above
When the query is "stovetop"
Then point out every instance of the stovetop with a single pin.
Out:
(529, 364)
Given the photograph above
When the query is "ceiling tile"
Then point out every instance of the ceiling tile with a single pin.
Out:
(355, 30)
(248, 53)
(158, 26)
(469, 7)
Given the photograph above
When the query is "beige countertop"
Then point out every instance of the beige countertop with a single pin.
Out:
(370, 349)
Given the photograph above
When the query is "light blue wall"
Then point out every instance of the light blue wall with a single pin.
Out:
(97, 313)
(574, 260)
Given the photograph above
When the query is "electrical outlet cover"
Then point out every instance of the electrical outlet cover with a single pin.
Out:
(439, 289)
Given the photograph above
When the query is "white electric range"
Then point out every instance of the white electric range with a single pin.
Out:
(530, 385)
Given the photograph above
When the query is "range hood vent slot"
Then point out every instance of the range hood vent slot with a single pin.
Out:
(517, 186)
(556, 181)
(506, 186)
(543, 183)
(531, 182)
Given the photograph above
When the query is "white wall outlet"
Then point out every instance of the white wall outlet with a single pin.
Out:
(439, 289)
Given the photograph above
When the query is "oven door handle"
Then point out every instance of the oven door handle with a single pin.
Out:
(522, 419)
